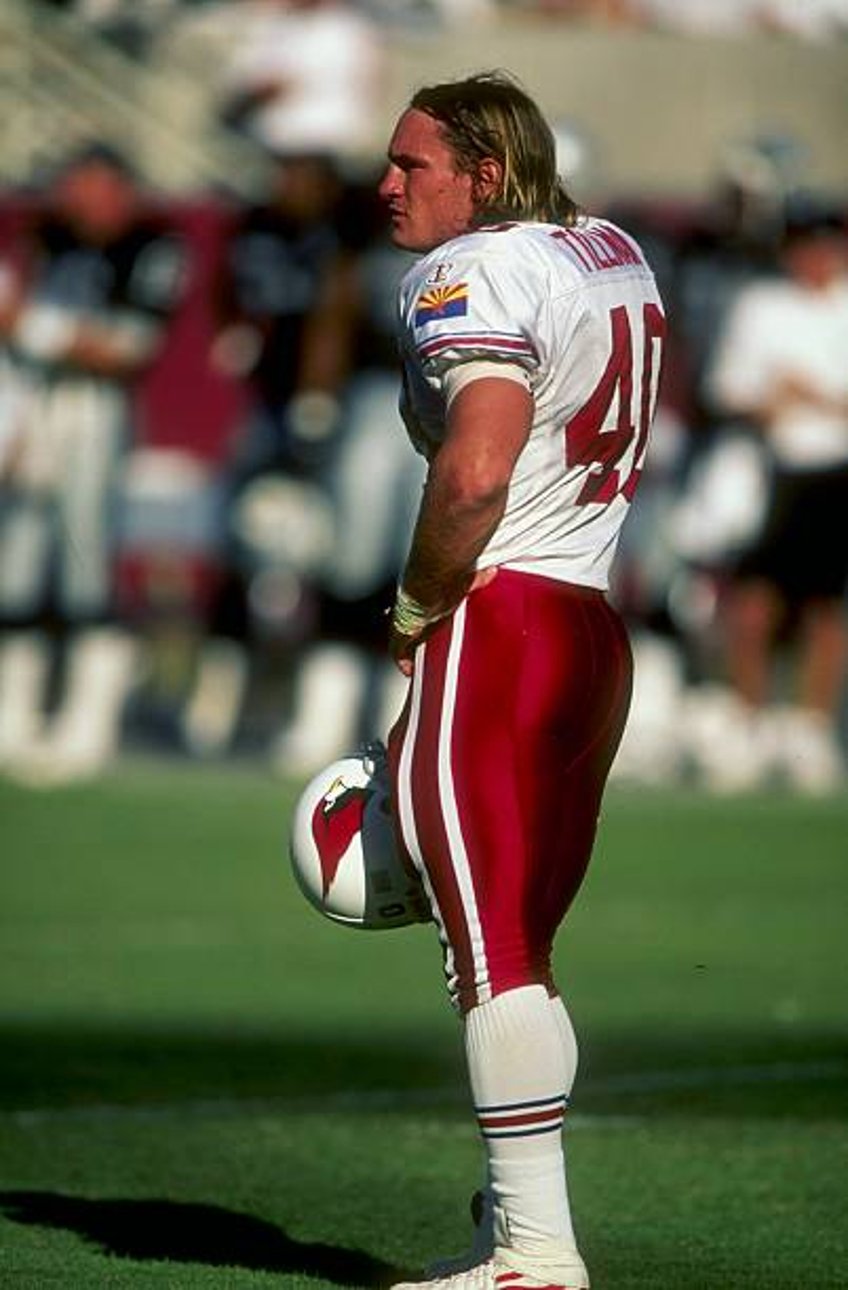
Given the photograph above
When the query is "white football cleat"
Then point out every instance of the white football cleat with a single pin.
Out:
(501, 1272)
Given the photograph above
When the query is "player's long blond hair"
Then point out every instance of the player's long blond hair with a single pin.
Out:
(490, 116)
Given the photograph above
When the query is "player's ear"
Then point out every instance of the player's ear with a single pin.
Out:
(488, 181)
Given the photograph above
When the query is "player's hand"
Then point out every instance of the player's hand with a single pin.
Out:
(403, 644)
(402, 650)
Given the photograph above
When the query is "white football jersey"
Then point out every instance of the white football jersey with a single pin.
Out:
(578, 309)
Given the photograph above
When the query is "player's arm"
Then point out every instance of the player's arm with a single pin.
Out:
(464, 498)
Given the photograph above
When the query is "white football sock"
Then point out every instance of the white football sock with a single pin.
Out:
(568, 1039)
(521, 1058)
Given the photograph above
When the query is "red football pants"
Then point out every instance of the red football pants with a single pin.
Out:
(499, 760)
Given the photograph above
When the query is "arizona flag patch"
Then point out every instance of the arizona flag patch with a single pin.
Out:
(441, 302)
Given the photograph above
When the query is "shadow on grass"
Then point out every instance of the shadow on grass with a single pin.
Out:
(56, 1065)
(183, 1232)
(714, 1071)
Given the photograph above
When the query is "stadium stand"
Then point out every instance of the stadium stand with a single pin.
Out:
(725, 130)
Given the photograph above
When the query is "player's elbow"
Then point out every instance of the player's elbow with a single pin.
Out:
(475, 486)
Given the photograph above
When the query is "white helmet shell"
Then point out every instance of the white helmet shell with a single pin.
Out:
(343, 849)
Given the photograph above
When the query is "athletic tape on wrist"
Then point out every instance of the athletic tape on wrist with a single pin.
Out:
(409, 617)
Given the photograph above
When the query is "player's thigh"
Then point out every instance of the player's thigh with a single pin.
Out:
(543, 717)
(515, 712)
(457, 810)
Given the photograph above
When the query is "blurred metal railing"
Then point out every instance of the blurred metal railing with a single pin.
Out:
(62, 85)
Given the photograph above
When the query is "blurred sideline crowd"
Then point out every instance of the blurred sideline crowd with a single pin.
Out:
(206, 494)
(133, 24)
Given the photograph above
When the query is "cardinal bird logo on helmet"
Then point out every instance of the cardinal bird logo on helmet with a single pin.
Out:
(344, 849)
(335, 822)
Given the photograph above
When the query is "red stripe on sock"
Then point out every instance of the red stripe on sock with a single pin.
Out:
(520, 1121)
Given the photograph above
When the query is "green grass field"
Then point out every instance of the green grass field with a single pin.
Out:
(204, 1085)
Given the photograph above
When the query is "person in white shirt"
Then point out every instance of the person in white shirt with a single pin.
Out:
(531, 340)
(305, 77)
(782, 365)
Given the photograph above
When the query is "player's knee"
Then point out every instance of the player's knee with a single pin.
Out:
(466, 993)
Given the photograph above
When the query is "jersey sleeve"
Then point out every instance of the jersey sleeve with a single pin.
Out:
(476, 304)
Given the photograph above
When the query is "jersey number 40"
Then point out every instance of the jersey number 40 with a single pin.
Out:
(590, 439)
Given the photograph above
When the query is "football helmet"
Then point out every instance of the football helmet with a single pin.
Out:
(343, 849)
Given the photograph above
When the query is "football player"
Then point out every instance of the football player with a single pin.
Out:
(531, 339)
(84, 320)
(286, 328)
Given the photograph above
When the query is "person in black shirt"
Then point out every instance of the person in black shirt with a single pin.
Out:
(83, 317)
